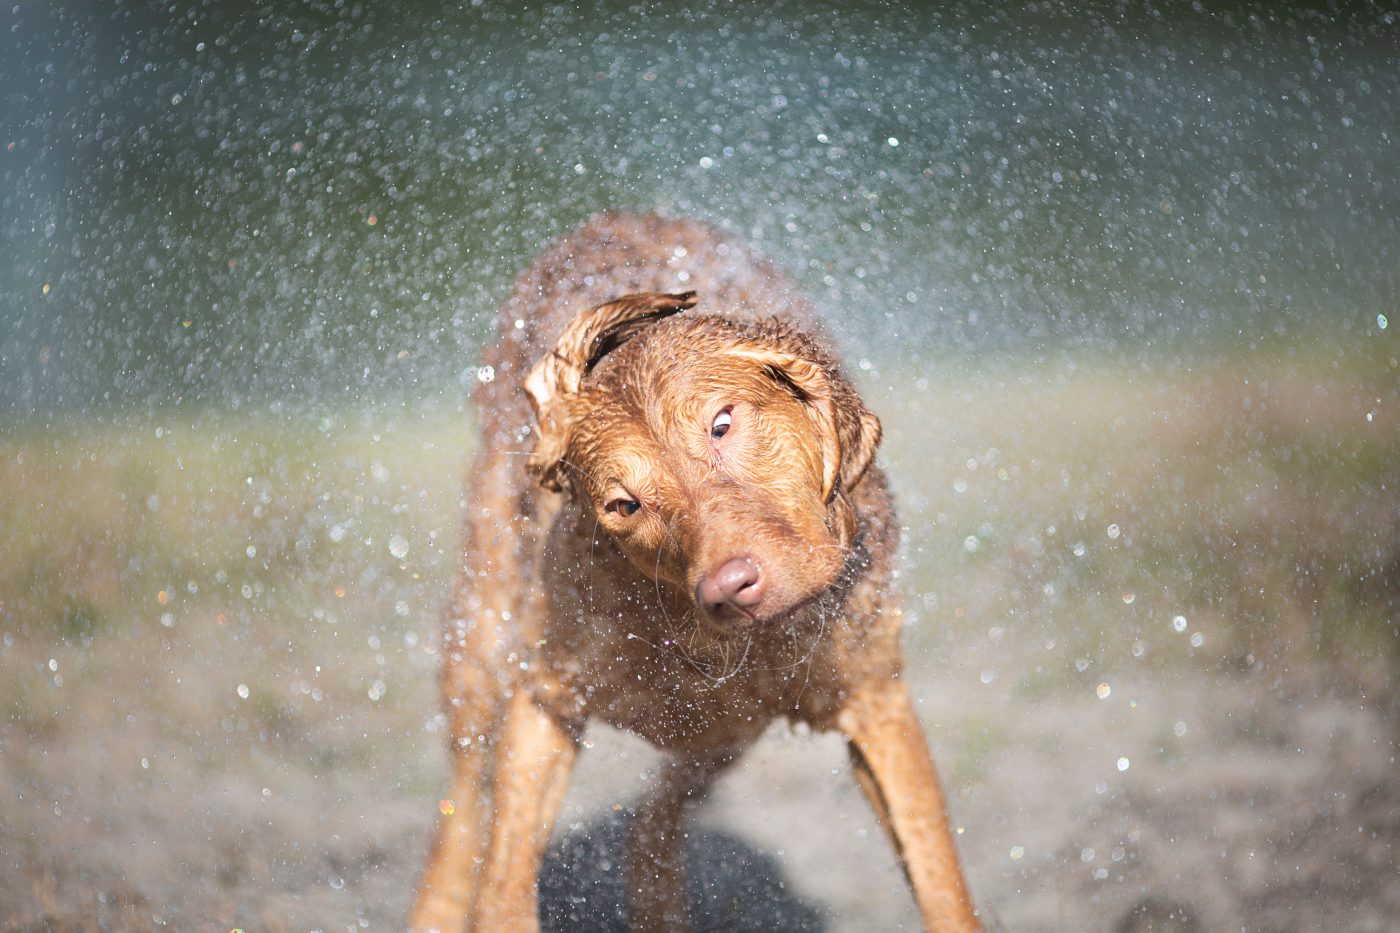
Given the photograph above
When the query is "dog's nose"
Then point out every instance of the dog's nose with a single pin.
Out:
(737, 585)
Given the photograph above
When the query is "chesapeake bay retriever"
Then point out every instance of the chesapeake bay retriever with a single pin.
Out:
(687, 538)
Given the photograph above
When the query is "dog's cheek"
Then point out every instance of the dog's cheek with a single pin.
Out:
(655, 566)
(644, 547)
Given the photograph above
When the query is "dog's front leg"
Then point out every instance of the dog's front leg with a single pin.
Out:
(533, 760)
(893, 767)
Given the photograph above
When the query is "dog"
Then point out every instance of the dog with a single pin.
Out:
(675, 525)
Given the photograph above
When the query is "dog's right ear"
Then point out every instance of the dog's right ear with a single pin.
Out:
(554, 381)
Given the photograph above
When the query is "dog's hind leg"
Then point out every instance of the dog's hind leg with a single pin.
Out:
(532, 766)
(893, 767)
(655, 874)
(446, 891)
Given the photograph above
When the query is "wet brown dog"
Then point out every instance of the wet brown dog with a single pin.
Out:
(700, 545)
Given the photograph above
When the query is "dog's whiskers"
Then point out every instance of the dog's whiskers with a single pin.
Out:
(656, 574)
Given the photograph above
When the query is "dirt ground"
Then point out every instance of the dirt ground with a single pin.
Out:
(1262, 816)
(219, 712)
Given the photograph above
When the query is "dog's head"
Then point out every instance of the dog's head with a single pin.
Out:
(718, 455)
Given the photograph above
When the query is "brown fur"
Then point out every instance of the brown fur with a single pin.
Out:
(573, 604)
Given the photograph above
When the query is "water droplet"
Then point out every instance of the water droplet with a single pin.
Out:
(1381, 320)
(1017, 852)
(1079, 549)
(1129, 598)
(337, 533)
(1122, 764)
(243, 691)
(1113, 532)
(251, 551)
(1197, 639)
(987, 676)
(1179, 729)
(1103, 690)
(971, 544)
(446, 807)
(1179, 623)
(398, 546)
(486, 374)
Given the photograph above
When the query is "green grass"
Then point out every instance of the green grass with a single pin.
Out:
(1044, 504)
(1252, 496)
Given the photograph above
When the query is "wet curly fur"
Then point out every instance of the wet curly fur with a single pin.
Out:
(674, 524)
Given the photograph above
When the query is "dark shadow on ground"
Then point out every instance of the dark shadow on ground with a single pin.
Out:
(731, 887)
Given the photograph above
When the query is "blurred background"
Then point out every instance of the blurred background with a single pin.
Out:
(1121, 280)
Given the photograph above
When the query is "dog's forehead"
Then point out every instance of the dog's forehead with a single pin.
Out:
(678, 359)
(646, 397)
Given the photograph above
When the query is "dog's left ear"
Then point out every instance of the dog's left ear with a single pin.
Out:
(554, 381)
(848, 431)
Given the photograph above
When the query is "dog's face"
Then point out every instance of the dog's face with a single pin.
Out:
(718, 456)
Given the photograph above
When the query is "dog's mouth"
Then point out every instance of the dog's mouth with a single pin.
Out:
(791, 616)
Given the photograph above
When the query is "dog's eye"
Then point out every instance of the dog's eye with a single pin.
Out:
(623, 507)
(721, 425)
